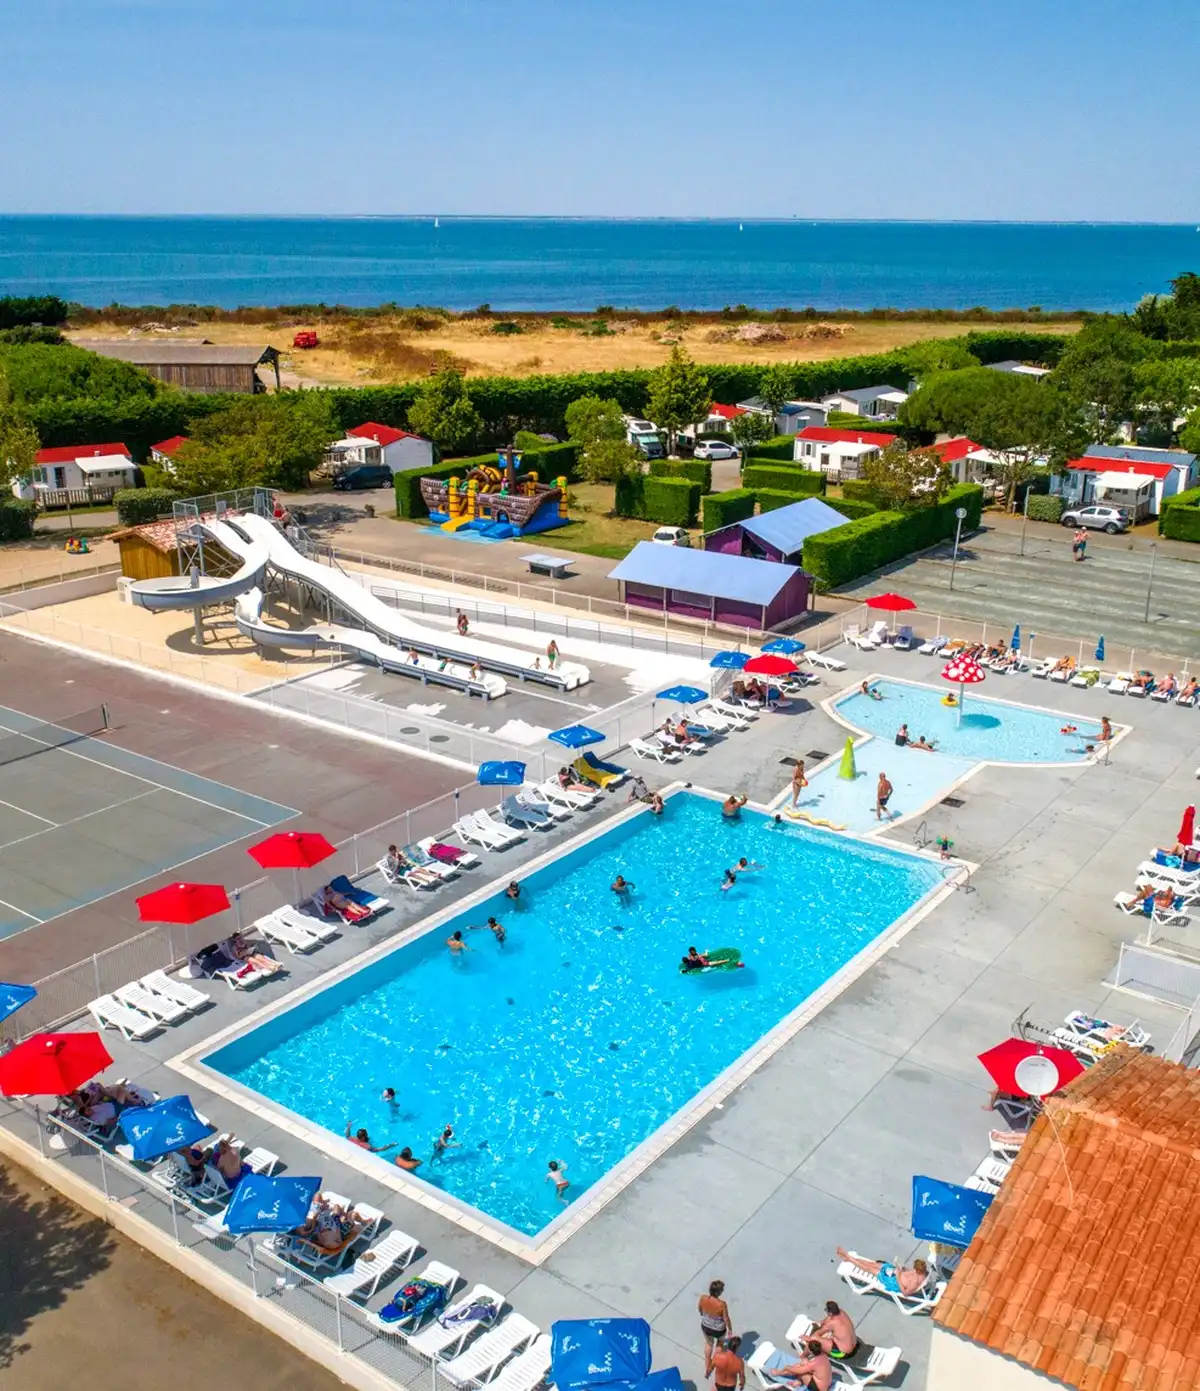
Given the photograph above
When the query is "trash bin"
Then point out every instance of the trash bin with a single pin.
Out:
(369, 510)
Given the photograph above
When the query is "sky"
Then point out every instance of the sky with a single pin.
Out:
(939, 109)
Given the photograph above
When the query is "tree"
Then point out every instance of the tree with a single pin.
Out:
(444, 412)
(1167, 387)
(776, 386)
(1172, 316)
(906, 478)
(598, 427)
(19, 441)
(1097, 371)
(749, 429)
(679, 395)
(268, 441)
(37, 371)
(925, 359)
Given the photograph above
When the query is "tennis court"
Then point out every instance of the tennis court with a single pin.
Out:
(81, 818)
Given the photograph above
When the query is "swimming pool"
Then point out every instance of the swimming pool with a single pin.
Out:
(990, 730)
(578, 1038)
(918, 779)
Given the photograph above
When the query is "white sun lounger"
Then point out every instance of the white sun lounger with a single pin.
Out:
(290, 935)
(370, 1270)
(1042, 669)
(866, 1282)
(159, 983)
(467, 859)
(529, 1370)
(734, 712)
(934, 645)
(556, 794)
(903, 641)
(307, 922)
(764, 1350)
(436, 1274)
(1103, 1031)
(487, 1353)
(242, 976)
(990, 1174)
(415, 876)
(136, 996)
(130, 1023)
(857, 638)
(439, 1341)
(865, 1368)
(1119, 685)
(819, 659)
(422, 859)
(487, 823)
(656, 751)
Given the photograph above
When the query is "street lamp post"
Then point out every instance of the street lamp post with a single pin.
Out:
(1025, 519)
(960, 513)
(1150, 581)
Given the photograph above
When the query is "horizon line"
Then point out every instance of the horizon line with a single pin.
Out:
(778, 219)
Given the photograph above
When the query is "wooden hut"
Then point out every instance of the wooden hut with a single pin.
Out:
(148, 552)
(192, 366)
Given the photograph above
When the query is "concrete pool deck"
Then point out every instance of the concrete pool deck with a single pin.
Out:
(818, 1148)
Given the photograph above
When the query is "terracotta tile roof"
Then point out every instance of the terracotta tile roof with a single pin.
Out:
(160, 534)
(1087, 1265)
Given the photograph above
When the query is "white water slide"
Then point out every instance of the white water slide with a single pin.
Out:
(388, 638)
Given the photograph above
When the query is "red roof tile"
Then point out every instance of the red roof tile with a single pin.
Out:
(1087, 1265)
(168, 447)
(828, 436)
(950, 450)
(67, 454)
(381, 434)
(726, 412)
(1122, 466)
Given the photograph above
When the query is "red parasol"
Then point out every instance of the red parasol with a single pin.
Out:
(182, 903)
(294, 850)
(967, 672)
(1187, 827)
(52, 1064)
(1004, 1064)
(890, 603)
(768, 664)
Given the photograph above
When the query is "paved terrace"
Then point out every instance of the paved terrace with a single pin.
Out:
(818, 1147)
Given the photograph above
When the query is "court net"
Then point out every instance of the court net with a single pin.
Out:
(36, 738)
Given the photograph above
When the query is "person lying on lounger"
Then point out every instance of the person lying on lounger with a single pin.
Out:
(228, 1163)
(1063, 664)
(814, 1369)
(570, 784)
(1169, 686)
(244, 951)
(197, 1164)
(1142, 681)
(334, 902)
(1189, 689)
(901, 1279)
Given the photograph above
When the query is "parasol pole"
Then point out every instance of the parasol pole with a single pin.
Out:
(962, 695)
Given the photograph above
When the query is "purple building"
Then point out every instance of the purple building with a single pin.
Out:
(707, 584)
(776, 535)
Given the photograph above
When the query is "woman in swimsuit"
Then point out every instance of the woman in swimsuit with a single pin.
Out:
(715, 1320)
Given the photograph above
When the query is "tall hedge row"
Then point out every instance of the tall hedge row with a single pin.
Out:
(137, 505)
(1180, 516)
(836, 557)
(1044, 508)
(859, 490)
(788, 480)
(552, 462)
(697, 470)
(781, 447)
(671, 501)
(723, 509)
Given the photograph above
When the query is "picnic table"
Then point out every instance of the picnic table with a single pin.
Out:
(554, 566)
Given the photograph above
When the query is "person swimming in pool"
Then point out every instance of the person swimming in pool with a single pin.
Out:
(694, 960)
(873, 691)
(732, 805)
(728, 880)
(445, 1141)
(744, 865)
(621, 885)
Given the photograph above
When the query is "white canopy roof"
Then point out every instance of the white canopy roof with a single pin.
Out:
(102, 463)
(1125, 482)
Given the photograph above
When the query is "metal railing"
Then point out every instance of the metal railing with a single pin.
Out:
(345, 1326)
(53, 569)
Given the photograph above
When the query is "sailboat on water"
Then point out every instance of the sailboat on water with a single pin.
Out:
(436, 224)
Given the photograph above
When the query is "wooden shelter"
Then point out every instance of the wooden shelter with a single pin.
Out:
(148, 552)
(192, 366)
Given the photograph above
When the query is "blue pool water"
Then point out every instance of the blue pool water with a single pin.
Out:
(917, 779)
(579, 1037)
(989, 730)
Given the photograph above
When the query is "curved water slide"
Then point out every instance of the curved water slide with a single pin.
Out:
(471, 663)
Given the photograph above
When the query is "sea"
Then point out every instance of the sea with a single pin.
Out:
(577, 264)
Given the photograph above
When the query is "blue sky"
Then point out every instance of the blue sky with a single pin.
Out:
(1073, 109)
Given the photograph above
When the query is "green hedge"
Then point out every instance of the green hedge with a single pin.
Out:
(671, 501)
(1043, 508)
(770, 498)
(1180, 516)
(781, 447)
(859, 490)
(137, 505)
(723, 509)
(852, 508)
(847, 552)
(552, 462)
(16, 519)
(695, 470)
(787, 480)
(629, 495)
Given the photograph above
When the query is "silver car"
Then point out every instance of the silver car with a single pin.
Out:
(1110, 519)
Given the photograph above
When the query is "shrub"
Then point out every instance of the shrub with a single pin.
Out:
(16, 519)
(1180, 517)
(1043, 508)
(137, 505)
(629, 495)
(851, 508)
(671, 501)
(836, 557)
(859, 490)
(695, 470)
(787, 480)
(781, 447)
(723, 509)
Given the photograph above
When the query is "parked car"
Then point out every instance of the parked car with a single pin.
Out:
(715, 449)
(671, 536)
(1110, 519)
(363, 476)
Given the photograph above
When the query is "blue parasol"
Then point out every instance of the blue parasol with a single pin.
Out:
(1015, 644)
(153, 1131)
(591, 1353)
(945, 1212)
(12, 997)
(730, 661)
(686, 695)
(261, 1204)
(576, 736)
(785, 647)
(499, 774)
(1100, 649)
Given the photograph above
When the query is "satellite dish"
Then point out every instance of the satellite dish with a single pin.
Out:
(1037, 1075)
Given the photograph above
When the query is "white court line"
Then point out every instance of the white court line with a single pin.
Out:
(12, 806)
(161, 787)
(75, 820)
(5, 903)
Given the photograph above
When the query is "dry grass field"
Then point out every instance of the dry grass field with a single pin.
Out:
(356, 352)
